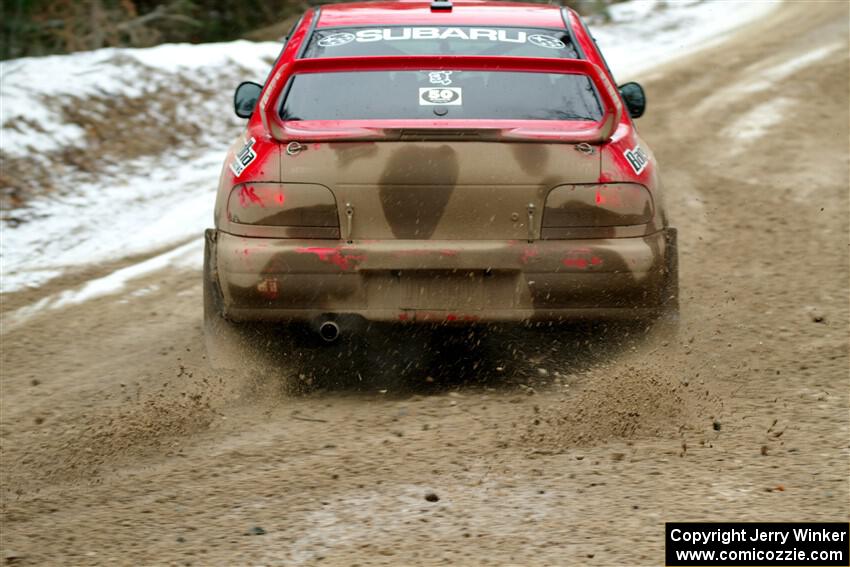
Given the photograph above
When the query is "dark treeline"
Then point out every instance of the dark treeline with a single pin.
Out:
(41, 27)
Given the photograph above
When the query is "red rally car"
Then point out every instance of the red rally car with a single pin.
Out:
(451, 162)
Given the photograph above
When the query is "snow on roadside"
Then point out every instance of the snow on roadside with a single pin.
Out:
(125, 212)
(26, 84)
(115, 219)
(765, 77)
(184, 256)
(757, 122)
(146, 204)
(648, 33)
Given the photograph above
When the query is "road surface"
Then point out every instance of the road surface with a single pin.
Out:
(121, 446)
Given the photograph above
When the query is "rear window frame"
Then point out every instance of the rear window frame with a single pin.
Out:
(289, 83)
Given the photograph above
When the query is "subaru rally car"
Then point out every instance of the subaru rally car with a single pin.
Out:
(453, 162)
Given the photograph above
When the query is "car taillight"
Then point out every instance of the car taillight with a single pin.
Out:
(284, 205)
(597, 206)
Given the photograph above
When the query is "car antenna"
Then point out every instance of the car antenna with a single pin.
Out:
(441, 5)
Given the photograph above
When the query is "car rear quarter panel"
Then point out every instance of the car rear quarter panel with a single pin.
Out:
(265, 167)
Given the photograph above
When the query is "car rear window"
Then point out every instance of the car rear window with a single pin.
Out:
(440, 40)
(391, 95)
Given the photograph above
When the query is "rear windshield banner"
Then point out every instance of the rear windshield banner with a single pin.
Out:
(458, 40)
(468, 34)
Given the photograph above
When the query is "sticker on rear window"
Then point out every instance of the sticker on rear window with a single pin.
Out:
(337, 39)
(440, 78)
(637, 158)
(450, 96)
(244, 158)
(547, 41)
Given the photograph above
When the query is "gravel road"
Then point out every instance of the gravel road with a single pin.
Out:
(121, 446)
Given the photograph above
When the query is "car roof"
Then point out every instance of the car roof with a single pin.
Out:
(463, 12)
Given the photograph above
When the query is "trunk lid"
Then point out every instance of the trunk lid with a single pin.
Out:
(440, 190)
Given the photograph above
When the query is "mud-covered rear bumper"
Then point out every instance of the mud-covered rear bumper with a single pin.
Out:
(441, 281)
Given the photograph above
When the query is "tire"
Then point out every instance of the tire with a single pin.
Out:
(213, 301)
(224, 339)
(668, 318)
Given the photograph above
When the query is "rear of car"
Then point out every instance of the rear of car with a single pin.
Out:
(411, 163)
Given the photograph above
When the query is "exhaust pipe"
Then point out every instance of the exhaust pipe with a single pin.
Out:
(329, 331)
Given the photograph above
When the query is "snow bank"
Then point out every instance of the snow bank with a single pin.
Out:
(120, 217)
(30, 86)
(157, 202)
(145, 204)
(648, 33)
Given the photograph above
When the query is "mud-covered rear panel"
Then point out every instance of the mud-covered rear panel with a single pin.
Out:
(407, 280)
(440, 189)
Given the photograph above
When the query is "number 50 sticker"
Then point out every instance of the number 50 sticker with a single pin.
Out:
(446, 96)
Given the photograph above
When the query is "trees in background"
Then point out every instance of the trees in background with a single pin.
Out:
(40, 27)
